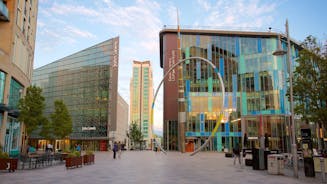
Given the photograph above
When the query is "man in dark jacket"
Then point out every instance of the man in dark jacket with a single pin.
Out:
(236, 152)
(115, 149)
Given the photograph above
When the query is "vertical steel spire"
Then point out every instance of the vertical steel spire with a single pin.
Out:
(181, 99)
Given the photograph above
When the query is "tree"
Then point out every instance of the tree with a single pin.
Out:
(61, 121)
(310, 83)
(135, 133)
(31, 109)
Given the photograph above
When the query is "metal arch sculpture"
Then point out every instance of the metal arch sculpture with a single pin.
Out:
(222, 106)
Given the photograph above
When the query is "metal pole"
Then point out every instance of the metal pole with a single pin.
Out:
(322, 167)
(294, 149)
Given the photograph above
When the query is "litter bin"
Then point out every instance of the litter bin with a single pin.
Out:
(309, 170)
(272, 164)
(275, 164)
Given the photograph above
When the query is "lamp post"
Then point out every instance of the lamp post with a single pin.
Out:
(280, 52)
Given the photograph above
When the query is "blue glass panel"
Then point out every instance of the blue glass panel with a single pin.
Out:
(187, 88)
(221, 66)
(197, 40)
(227, 127)
(226, 100)
(281, 96)
(198, 70)
(237, 46)
(259, 45)
(256, 81)
(201, 122)
(187, 94)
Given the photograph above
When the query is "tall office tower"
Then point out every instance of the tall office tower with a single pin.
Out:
(141, 96)
(17, 42)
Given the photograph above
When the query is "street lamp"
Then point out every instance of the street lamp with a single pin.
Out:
(280, 52)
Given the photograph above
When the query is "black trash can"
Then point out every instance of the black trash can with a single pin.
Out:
(255, 159)
(309, 169)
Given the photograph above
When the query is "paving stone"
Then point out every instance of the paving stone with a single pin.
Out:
(150, 167)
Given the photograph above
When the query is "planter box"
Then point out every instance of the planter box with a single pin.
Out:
(72, 162)
(88, 159)
(9, 164)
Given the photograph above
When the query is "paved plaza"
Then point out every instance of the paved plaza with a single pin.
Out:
(150, 167)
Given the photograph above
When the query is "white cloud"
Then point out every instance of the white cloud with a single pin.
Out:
(204, 4)
(240, 13)
(66, 9)
(73, 31)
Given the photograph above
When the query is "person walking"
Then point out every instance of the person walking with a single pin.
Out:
(115, 149)
(236, 152)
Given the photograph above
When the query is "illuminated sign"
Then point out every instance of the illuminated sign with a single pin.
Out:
(88, 128)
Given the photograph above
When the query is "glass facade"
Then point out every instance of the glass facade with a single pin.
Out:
(12, 136)
(87, 83)
(16, 90)
(255, 86)
(2, 85)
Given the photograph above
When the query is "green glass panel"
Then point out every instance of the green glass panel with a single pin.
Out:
(241, 65)
(187, 54)
(219, 143)
(280, 63)
(2, 85)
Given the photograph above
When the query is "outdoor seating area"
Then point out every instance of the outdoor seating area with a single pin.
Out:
(39, 160)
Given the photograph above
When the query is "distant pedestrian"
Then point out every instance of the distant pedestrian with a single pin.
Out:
(115, 149)
(119, 149)
(236, 152)
(78, 148)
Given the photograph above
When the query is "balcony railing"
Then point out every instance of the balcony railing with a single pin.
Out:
(4, 14)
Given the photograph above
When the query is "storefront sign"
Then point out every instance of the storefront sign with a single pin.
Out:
(88, 128)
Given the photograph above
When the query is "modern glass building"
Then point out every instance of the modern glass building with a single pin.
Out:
(141, 97)
(255, 83)
(17, 42)
(87, 83)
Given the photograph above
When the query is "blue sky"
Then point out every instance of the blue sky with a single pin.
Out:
(68, 26)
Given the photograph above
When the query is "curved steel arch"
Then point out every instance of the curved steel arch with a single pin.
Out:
(222, 90)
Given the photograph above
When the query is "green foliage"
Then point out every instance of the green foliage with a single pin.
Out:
(61, 120)
(74, 154)
(67, 150)
(46, 130)
(31, 109)
(89, 152)
(310, 82)
(135, 133)
(3, 155)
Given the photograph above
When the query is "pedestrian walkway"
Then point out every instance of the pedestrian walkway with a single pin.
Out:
(151, 167)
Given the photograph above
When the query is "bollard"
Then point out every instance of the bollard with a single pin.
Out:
(322, 166)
